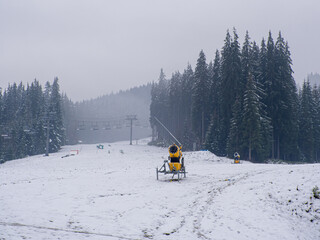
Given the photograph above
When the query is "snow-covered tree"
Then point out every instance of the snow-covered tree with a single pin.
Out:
(306, 124)
(316, 121)
(200, 98)
(54, 115)
(251, 118)
(213, 135)
(230, 82)
(235, 137)
(286, 102)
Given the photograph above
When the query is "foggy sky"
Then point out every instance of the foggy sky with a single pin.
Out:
(95, 47)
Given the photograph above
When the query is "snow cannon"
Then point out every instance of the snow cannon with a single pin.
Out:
(175, 155)
(175, 163)
(236, 158)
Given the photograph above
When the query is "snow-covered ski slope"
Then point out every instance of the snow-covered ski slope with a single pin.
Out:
(112, 193)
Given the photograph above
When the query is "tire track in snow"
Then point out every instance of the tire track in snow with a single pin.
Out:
(212, 194)
(204, 199)
(65, 230)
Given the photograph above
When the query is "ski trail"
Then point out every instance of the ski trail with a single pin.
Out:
(207, 201)
(65, 230)
(188, 218)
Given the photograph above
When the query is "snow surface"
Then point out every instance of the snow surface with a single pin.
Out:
(112, 193)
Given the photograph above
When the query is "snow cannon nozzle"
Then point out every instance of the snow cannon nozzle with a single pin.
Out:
(175, 151)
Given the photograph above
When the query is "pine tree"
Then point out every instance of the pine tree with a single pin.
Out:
(255, 64)
(21, 141)
(316, 121)
(34, 117)
(215, 85)
(271, 86)
(213, 136)
(175, 102)
(153, 110)
(230, 81)
(306, 124)
(251, 118)
(159, 106)
(264, 88)
(234, 141)
(10, 108)
(286, 99)
(1, 128)
(246, 63)
(236, 134)
(186, 88)
(200, 99)
(57, 134)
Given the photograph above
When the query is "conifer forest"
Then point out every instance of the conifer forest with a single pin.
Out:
(245, 100)
(27, 114)
(40, 120)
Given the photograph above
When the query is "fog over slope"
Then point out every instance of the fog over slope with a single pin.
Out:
(314, 79)
(104, 119)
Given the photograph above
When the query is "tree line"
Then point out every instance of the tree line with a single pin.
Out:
(245, 100)
(27, 111)
(27, 114)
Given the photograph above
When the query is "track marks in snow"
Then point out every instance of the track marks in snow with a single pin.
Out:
(97, 193)
(189, 218)
(73, 231)
(205, 202)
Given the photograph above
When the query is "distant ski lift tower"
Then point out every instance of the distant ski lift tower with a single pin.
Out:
(131, 118)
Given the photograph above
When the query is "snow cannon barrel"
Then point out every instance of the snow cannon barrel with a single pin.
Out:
(175, 157)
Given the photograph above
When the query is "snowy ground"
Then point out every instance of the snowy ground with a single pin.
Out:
(113, 194)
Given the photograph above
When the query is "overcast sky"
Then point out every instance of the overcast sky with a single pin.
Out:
(98, 46)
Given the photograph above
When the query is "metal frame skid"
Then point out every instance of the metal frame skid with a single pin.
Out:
(165, 169)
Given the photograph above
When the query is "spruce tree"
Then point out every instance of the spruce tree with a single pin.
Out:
(215, 85)
(213, 136)
(264, 88)
(271, 87)
(1, 128)
(246, 64)
(251, 118)
(38, 109)
(306, 124)
(255, 63)
(159, 106)
(287, 101)
(175, 102)
(234, 137)
(153, 107)
(57, 133)
(200, 99)
(316, 121)
(230, 82)
(186, 88)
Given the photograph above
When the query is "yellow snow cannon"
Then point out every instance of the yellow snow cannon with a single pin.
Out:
(236, 158)
(175, 163)
(175, 155)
